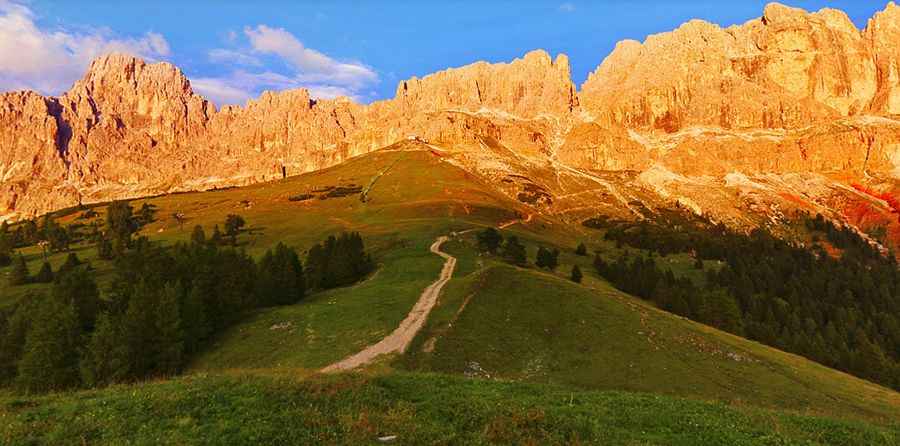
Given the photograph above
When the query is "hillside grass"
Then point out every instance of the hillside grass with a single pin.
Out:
(330, 325)
(505, 322)
(357, 409)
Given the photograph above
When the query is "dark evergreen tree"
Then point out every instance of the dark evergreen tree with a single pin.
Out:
(338, 261)
(72, 262)
(317, 267)
(12, 340)
(78, 289)
(553, 260)
(193, 317)
(29, 233)
(7, 244)
(233, 225)
(19, 274)
(280, 280)
(50, 355)
(576, 275)
(581, 250)
(514, 252)
(170, 333)
(216, 238)
(198, 237)
(139, 331)
(45, 274)
(489, 240)
(120, 222)
(105, 249)
(104, 360)
(547, 259)
(146, 214)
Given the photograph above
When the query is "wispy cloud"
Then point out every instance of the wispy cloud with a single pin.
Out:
(567, 7)
(221, 55)
(323, 75)
(50, 60)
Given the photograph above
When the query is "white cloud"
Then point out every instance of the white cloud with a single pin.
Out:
(49, 61)
(219, 90)
(324, 76)
(221, 55)
(567, 7)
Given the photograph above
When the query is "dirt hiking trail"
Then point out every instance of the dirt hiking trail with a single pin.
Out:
(399, 340)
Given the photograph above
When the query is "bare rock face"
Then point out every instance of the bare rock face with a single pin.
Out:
(31, 168)
(788, 93)
(527, 87)
(787, 69)
(882, 34)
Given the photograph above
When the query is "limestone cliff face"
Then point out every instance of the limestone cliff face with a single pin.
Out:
(882, 33)
(787, 69)
(788, 92)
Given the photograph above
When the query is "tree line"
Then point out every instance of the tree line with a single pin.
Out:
(163, 305)
(839, 311)
(510, 249)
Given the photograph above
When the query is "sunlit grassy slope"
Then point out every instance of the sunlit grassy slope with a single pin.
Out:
(503, 322)
(516, 325)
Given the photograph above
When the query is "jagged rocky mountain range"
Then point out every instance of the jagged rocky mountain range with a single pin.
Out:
(792, 110)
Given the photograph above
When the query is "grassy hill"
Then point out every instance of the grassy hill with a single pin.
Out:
(509, 323)
(417, 408)
(550, 359)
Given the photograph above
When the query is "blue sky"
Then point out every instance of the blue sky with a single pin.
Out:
(233, 50)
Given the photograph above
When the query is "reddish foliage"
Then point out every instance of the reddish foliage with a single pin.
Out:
(892, 201)
(794, 199)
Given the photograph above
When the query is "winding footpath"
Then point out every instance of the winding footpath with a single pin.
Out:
(399, 340)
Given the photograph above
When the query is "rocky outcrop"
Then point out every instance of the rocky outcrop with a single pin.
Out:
(788, 92)
(787, 69)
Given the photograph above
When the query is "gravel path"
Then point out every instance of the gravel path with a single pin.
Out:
(399, 340)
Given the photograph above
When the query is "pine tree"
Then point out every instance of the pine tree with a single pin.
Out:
(280, 280)
(233, 225)
(576, 274)
(78, 289)
(581, 250)
(489, 240)
(541, 260)
(45, 274)
(50, 358)
(120, 222)
(139, 331)
(104, 249)
(168, 329)
(30, 233)
(6, 248)
(12, 338)
(216, 238)
(198, 237)
(317, 267)
(552, 259)
(104, 358)
(514, 252)
(19, 274)
(194, 319)
(146, 213)
(72, 262)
